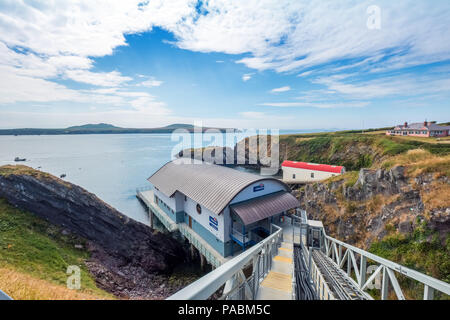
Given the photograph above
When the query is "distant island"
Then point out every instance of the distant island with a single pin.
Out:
(104, 128)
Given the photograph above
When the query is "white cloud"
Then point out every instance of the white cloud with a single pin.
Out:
(283, 35)
(320, 105)
(151, 83)
(104, 79)
(387, 86)
(19, 88)
(42, 42)
(289, 35)
(247, 77)
(305, 74)
(282, 89)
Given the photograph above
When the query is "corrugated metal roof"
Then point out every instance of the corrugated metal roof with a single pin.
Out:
(210, 185)
(261, 208)
(312, 166)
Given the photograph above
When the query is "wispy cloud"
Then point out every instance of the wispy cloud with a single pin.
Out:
(282, 89)
(320, 105)
(151, 83)
(247, 77)
(104, 79)
(43, 43)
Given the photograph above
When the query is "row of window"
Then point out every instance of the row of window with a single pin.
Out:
(312, 175)
(159, 202)
(162, 203)
(409, 132)
(416, 132)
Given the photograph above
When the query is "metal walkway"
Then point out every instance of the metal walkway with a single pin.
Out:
(277, 285)
(299, 261)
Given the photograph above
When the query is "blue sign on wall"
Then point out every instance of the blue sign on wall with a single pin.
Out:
(260, 187)
(214, 223)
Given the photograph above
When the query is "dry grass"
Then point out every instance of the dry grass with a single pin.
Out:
(350, 177)
(298, 140)
(21, 286)
(443, 140)
(437, 196)
(378, 132)
(19, 170)
(419, 161)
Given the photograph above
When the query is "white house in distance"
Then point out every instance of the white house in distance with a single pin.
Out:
(303, 172)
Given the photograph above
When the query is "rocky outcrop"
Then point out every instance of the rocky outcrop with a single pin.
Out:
(361, 213)
(254, 152)
(373, 182)
(125, 250)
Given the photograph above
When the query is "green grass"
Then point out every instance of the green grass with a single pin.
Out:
(352, 150)
(30, 245)
(421, 251)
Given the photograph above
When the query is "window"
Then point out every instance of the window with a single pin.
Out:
(293, 176)
(185, 198)
(199, 209)
(312, 174)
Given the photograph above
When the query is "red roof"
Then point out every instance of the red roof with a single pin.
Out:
(312, 166)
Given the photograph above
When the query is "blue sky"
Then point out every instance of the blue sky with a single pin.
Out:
(252, 64)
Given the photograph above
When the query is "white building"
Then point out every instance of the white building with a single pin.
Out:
(227, 208)
(302, 172)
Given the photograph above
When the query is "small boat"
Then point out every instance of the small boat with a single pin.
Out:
(19, 159)
(63, 175)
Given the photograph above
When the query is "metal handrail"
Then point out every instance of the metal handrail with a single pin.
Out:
(207, 285)
(386, 266)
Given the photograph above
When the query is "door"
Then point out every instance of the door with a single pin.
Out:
(190, 222)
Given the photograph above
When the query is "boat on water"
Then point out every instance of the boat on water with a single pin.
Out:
(17, 159)
(62, 176)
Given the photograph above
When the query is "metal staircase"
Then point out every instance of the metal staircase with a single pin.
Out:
(299, 261)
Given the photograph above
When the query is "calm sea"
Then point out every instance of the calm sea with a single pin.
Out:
(111, 166)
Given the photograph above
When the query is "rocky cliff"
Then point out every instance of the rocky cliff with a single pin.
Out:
(381, 200)
(127, 257)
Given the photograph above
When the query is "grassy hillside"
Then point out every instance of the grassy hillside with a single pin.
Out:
(34, 257)
(426, 247)
(352, 150)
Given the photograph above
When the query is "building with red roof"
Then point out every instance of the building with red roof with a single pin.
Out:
(303, 172)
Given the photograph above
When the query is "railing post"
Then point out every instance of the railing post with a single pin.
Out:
(428, 293)
(256, 276)
(363, 271)
(309, 261)
(349, 263)
(385, 285)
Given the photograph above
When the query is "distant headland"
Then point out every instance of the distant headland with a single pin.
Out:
(104, 128)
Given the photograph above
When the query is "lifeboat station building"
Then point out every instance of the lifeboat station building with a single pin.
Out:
(220, 210)
(303, 172)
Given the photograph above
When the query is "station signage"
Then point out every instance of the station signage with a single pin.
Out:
(214, 223)
(259, 187)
